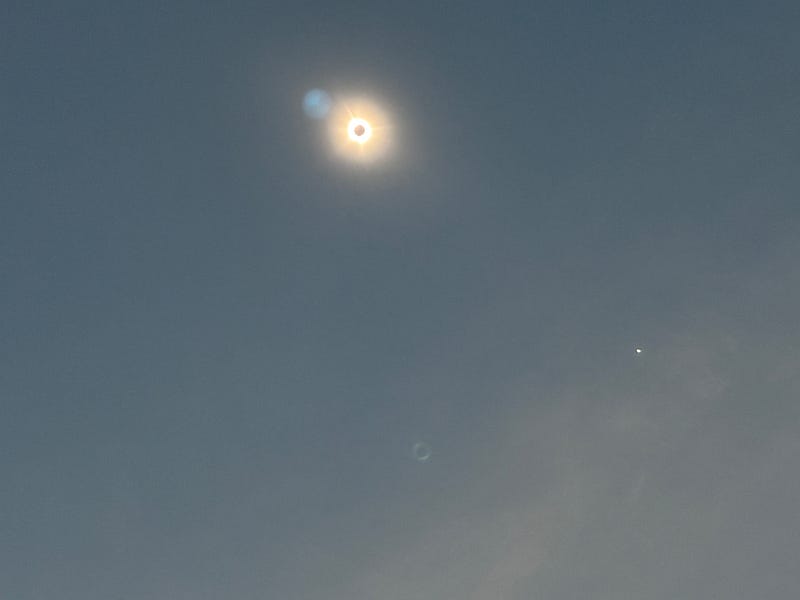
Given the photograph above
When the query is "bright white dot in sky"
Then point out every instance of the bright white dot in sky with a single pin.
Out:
(639, 351)
(359, 130)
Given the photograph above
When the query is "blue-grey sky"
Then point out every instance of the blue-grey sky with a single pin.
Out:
(218, 346)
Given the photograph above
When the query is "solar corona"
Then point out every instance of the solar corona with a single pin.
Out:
(359, 130)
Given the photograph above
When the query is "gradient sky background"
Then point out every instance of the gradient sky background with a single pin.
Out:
(218, 346)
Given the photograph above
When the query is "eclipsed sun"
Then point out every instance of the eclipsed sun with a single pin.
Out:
(360, 130)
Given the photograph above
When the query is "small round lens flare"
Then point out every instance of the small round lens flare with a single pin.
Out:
(359, 130)
(317, 104)
(422, 452)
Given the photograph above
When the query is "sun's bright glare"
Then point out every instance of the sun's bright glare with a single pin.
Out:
(360, 130)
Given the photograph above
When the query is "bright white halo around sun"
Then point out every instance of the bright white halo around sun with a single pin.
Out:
(360, 131)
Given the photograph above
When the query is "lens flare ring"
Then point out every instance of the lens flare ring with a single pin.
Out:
(421, 451)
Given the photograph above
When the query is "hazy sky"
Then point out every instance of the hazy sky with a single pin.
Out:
(218, 346)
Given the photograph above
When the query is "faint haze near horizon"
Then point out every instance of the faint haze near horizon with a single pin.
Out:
(221, 351)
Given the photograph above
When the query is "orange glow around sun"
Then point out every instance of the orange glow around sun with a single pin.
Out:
(359, 130)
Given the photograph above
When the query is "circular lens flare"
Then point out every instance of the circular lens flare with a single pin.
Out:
(359, 130)
(317, 104)
(421, 451)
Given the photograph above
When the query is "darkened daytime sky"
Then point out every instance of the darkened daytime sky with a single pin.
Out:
(531, 332)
